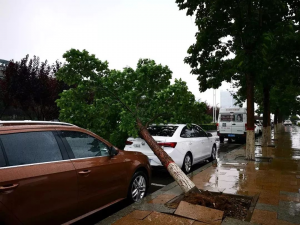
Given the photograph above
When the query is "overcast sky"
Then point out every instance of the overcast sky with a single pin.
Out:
(119, 31)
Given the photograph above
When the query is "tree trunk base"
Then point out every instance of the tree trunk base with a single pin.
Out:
(266, 136)
(250, 145)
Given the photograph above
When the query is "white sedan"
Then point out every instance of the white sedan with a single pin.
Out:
(187, 145)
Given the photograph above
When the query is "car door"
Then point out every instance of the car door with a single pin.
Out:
(225, 123)
(206, 141)
(195, 142)
(101, 178)
(38, 183)
(238, 124)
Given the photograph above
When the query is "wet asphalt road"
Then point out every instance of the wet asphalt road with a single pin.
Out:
(160, 178)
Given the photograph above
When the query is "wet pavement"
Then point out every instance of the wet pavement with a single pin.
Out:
(160, 178)
(274, 177)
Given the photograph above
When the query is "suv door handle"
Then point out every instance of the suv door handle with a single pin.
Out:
(233, 124)
(84, 172)
(8, 187)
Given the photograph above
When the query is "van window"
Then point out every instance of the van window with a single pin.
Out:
(84, 145)
(233, 118)
(30, 147)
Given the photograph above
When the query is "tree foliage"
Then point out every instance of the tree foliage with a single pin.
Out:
(108, 102)
(30, 85)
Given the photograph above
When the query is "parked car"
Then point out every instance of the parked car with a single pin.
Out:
(187, 145)
(232, 124)
(52, 172)
(287, 123)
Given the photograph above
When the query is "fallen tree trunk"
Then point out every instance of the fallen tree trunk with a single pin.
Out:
(183, 181)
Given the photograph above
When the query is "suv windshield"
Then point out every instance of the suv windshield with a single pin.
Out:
(166, 131)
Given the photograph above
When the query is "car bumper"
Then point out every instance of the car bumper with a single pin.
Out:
(175, 154)
(225, 135)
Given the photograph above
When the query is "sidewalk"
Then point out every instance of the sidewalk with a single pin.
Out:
(274, 178)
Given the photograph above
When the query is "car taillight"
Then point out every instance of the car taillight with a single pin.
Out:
(245, 126)
(128, 143)
(217, 124)
(168, 144)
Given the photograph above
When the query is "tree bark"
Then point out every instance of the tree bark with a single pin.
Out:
(266, 133)
(279, 125)
(183, 181)
(275, 120)
(250, 139)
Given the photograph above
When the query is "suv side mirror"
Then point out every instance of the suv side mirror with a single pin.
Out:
(113, 151)
(209, 135)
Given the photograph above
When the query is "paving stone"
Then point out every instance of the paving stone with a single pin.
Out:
(288, 198)
(128, 220)
(267, 207)
(270, 199)
(156, 207)
(289, 211)
(212, 223)
(292, 194)
(162, 199)
(139, 214)
(199, 213)
(231, 221)
(263, 217)
(161, 218)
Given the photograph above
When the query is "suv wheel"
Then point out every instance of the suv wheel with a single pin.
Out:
(138, 186)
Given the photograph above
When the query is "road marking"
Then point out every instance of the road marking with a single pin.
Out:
(159, 185)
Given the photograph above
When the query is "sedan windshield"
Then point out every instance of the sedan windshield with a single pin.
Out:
(166, 131)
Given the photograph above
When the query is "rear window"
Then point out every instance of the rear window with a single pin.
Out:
(233, 118)
(165, 131)
(31, 147)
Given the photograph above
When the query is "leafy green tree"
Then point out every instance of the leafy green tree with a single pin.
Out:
(108, 101)
(239, 27)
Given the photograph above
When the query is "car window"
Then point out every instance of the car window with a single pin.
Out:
(188, 132)
(84, 145)
(233, 118)
(30, 147)
(2, 160)
(165, 131)
(200, 132)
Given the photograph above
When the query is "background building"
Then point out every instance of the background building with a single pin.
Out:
(226, 99)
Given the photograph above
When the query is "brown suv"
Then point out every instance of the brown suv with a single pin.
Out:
(51, 173)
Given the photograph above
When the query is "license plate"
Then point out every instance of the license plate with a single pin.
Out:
(231, 135)
(223, 124)
(137, 145)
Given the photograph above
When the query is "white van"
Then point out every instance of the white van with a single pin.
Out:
(232, 124)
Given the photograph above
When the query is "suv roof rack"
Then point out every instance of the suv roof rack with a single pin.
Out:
(32, 122)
